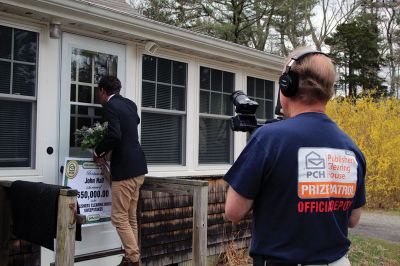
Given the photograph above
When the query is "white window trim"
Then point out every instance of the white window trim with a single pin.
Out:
(192, 167)
(155, 169)
(16, 173)
(234, 143)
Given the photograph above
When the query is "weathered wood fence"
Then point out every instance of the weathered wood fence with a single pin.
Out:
(67, 218)
(199, 190)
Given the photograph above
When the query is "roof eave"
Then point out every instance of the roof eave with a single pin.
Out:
(137, 24)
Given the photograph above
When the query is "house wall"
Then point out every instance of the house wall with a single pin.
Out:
(159, 211)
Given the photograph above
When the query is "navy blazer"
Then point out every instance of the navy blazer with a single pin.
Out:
(127, 159)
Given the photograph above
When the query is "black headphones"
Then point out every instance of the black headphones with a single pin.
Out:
(289, 80)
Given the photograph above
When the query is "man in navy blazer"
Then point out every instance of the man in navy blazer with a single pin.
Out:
(128, 163)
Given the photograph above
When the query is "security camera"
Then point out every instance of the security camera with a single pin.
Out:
(151, 47)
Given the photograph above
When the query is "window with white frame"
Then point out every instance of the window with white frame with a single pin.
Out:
(18, 82)
(87, 68)
(163, 118)
(216, 109)
(262, 91)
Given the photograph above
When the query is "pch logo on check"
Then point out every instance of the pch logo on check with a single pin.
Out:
(314, 161)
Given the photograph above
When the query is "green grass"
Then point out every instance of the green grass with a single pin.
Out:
(372, 252)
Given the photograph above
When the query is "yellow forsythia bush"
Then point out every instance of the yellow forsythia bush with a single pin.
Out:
(374, 125)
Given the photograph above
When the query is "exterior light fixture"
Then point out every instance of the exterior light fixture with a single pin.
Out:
(55, 30)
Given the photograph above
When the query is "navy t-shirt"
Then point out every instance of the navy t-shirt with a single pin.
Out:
(305, 176)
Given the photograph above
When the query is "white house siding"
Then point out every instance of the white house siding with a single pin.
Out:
(115, 24)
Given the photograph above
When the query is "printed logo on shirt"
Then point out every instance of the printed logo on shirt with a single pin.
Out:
(326, 173)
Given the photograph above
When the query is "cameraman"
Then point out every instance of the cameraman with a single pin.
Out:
(303, 177)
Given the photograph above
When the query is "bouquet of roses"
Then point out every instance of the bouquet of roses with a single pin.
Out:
(89, 137)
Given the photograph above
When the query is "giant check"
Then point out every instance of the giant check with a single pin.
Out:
(94, 192)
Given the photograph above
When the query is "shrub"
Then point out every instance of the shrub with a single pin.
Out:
(374, 126)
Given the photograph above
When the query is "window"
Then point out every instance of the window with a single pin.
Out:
(18, 81)
(163, 116)
(216, 109)
(262, 91)
(87, 68)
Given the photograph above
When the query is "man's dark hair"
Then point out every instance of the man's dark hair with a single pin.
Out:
(110, 84)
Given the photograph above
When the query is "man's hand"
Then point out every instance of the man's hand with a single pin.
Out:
(99, 160)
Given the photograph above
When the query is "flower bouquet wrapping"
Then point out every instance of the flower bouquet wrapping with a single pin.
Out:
(89, 137)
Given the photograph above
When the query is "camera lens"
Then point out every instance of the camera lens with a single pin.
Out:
(242, 103)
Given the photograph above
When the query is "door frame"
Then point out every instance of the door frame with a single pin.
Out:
(70, 41)
(104, 232)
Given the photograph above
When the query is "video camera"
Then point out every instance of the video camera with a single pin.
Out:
(245, 120)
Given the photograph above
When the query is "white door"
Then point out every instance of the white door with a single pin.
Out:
(84, 62)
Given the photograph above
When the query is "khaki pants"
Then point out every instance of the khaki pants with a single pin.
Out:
(343, 261)
(125, 196)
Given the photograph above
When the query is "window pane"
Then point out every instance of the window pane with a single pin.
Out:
(260, 113)
(216, 80)
(149, 68)
(163, 96)
(73, 66)
(229, 82)
(259, 88)
(179, 73)
(24, 79)
(164, 70)
(98, 112)
(148, 94)
(178, 98)
(72, 128)
(15, 133)
(162, 138)
(5, 37)
(227, 105)
(269, 109)
(84, 94)
(73, 93)
(84, 121)
(96, 95)
(104, 64)
(25, 45)
(83, 110)
(85, 66)
(89, 67)
(5, 72)
(204, 78)
(269, 89)
(204, 102)
(162, 92)
(216, 103)
(222, 85)
(250, 86)
(215, 140)
(264, 94)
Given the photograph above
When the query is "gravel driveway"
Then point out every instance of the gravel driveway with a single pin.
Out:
(378, 225)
